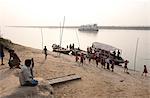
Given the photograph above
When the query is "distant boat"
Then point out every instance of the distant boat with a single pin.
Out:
(92, 27)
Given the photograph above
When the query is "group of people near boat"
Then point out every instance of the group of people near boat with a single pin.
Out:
(100, 56)
(71, 46)
(105, 58)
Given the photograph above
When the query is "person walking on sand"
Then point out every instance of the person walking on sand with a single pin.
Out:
(145, 71)
(81, 58)
(112, 65)
(2, 53)
(125, 65)
(25, 76)
(77, 58)
(45, 52)
(14, 60)
(90, 57)
(108, 62)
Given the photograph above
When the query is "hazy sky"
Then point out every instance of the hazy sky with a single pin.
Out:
(77, 12)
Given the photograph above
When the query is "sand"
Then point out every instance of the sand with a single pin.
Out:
(96, 82)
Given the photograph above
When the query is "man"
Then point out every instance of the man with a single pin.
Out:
(2, 53)
(45, 52)
(108, 62)
(26, 77)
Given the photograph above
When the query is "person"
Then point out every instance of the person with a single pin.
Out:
(77, 58)
(25, 76)
(103, 62)
(70, 46)
(90, 58)
(112, 65)
(145, 71)
(97, 60)
(2, 53)
(118, 54)
(97, 57)
(14, 60)
(114, 54)
(108, 62)
(73, 46)
(125, 66)
(81, 58)
(45, 52)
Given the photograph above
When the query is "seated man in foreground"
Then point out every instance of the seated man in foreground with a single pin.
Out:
(26, 75)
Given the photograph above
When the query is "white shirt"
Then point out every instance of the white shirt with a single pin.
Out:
(107, 60)
(25, 74)
(97, 54)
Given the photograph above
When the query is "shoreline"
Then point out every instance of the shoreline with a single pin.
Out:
(100, 27)
(95, 82)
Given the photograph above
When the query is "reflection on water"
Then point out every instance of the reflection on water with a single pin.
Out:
(122, 39)
(90, 32)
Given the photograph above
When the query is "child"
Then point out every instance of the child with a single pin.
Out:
(125, 66)
(81, 58)
(77, 58)
(145, 71)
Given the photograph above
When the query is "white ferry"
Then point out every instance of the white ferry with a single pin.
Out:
(92, 27)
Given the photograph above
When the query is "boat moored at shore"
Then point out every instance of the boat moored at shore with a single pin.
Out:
(57, 48)
(107, 51)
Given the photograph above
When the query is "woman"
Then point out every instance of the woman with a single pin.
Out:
(13, 60)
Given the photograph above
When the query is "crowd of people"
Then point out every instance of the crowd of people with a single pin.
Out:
(105, 58)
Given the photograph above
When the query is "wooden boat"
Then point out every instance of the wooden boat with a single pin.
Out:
(57, 48)
(77, 51)
(108, 51)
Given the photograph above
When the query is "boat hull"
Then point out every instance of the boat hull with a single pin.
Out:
(62, 51)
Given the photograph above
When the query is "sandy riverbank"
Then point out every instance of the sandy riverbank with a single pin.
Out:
(95, 83)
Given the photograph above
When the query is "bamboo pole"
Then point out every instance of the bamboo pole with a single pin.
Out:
(136, 54)
(0, 32)
(62, 32)
(42, 37)
(78, 39)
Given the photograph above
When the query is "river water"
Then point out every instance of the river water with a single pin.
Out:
(125, 40)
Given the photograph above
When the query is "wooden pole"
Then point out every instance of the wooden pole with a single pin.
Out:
(0, 32)
(78, 39)
(60, 35)
(62, 31)
(42, 38)
(136, 54)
